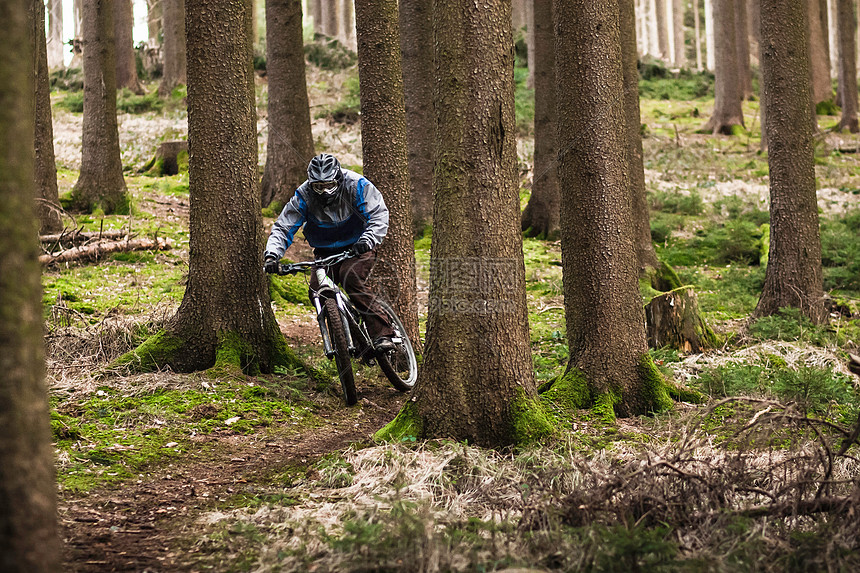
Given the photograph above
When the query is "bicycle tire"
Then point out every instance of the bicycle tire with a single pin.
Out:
(341, 351)
(402, 378)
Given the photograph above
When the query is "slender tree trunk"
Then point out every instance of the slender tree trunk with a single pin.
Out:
(416, 44)
(530, 42)
(646, 256)
(541, 216)
(710, 40)
(518, 14)
(290, 145)
(698, 35)
(175, 58)
(793, 277)
(477, 377)
(832, 36)
(153, 21)
(55, 35)
(819, 59)
(101, 183)
(384, 150)
(78, 16)
(608, 366)
(45, 165)
(126, 67)
(662, 30)
(28, 533)
(678, 10)
(755, 17)
(743, 49)
(330, 18)
(653, 29)
(317, 12)
(348, 27)
(728, 112)
(641, 27)
(847, 26)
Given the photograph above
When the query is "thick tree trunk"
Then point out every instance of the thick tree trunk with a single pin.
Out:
(819, 59)
(45, 166)
(847, 26)
(126, 67)
(793, 277)
(541, 216)
(384, 151)
(101, 183)
(290, 143)
(28, 531)
(477, 379)
(728, 112)
(743, 49)
(153, 21)
(175, 59)
(225, 318)
(55, 35)
(416, 44)
(646, 256)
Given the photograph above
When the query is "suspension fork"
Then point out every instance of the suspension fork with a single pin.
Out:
(327, 347)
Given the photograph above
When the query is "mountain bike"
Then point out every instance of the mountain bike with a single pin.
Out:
(345, 335)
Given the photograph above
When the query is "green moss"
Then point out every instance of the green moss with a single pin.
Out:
(531, 420)
(182, 161)
(405, 426)
(233, 357)
(155, 352)
(654, 388)
(604, 406)
(274, 209)
(289, 289)
(570, 391)
(765, 245)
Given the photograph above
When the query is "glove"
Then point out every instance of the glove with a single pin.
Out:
(271, 265)
(359, 248)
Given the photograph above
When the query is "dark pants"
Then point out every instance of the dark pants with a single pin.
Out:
(352, 275)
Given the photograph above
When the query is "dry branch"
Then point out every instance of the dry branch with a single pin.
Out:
(78, 236)
(95, 251)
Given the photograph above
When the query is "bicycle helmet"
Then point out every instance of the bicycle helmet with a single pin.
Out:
(325, 176)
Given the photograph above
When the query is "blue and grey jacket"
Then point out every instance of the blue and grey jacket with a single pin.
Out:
(358, 212)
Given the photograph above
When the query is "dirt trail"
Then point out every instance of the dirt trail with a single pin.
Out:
(140, 526)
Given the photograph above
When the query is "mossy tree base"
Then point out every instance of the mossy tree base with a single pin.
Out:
(171, 158)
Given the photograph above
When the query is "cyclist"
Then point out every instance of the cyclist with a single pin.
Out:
(341, 211)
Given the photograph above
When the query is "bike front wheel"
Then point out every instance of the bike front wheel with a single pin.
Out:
(398, 365)
(341, 351)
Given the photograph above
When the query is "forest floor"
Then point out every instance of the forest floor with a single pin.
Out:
(166, 472)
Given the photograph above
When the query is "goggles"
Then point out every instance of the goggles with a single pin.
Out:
(324, 187)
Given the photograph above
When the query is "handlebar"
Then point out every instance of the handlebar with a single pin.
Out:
(294, 268)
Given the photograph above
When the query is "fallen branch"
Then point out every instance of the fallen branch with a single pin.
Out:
(77, 236)
(95, 251)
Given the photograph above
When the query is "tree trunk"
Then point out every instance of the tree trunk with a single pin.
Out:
(384, 151)
(646, 256)
(416, 44)
(225, 319)
(530, 43)
(743, 49)
(168, 159)
(518, 14)
(476, 382)
(348, 24)
(126, 67)
(710, 41)
(28, 532)
(680, 56)
(541, 216)
(662, 30)
(45, 166)
(672, 319)
(819, 59)
(101, 183)
(793, 277)
(317, 12)
(609, 366)
(175, 59)
(290, 143)
(847, 26)
(832, 36)
(55, 35)
(330, 18)
(698, 35)
(153, 21)
(727, 100)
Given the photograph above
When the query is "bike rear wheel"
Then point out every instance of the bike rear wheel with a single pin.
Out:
(341, 351)
(398, 365)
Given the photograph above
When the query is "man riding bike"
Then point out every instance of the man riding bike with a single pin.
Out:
(341, 211)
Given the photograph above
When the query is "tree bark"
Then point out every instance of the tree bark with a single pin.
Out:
(384, 151)
(330, 18)
(126, 67)
(819, 59)
(225, 318)
(698, 35)
(416, 44)
(743, 49)
(28, 532)
(530, 43)
(348, 25)
(477, 372)
(793, 277)
(47, 195)
(710, 40)
(680, 55)
(290, 142)
(662, 30)
(101, 183)
(518, 14)
(728, 112)
(541, 216)
(847, 27)
(98, 250)
(174, 50)
(153, 21)
(608, 366)
(55, 35)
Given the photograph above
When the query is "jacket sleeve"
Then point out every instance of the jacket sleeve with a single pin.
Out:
(372, 207)
(290, 220)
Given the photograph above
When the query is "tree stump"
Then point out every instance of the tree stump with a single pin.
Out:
(171, 157)
(673, 319)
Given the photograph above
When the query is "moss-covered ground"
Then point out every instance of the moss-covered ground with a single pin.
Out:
(242, 472)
